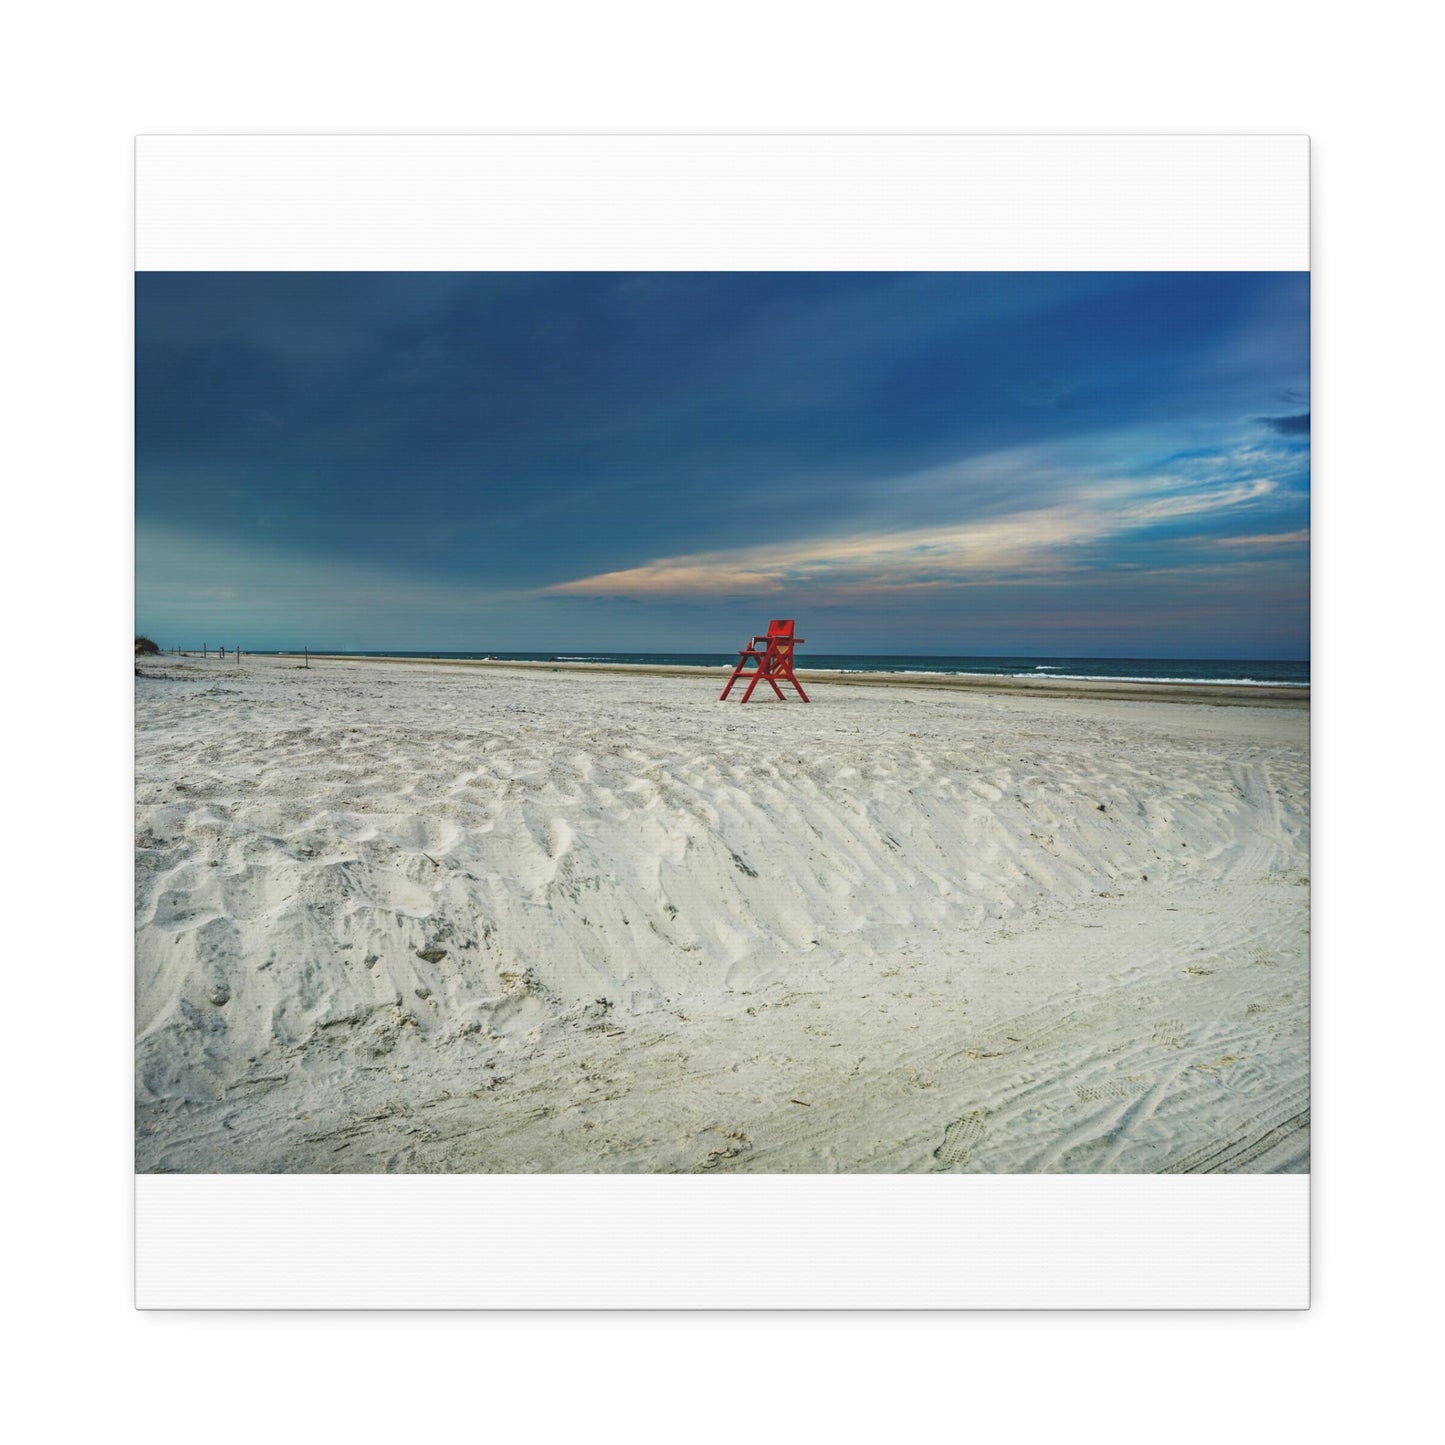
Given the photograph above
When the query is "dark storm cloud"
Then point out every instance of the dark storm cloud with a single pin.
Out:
(516, 432)
(1289, 426)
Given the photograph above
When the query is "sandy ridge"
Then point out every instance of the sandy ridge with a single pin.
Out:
(440, 918)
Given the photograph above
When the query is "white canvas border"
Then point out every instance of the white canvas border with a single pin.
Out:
(730, 202)
(733, 1242)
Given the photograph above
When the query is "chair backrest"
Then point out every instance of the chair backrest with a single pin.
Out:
(780, 638)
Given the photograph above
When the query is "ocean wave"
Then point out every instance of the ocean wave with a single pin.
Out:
(1072, 677)
(1126, 677)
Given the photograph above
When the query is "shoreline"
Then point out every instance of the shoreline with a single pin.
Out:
(1081, 689)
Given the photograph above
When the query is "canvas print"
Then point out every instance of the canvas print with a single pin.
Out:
(722, 722)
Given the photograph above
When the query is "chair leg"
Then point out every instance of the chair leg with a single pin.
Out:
(764, 673)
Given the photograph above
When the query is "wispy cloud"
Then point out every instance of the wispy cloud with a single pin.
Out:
(1267, 540)
(1028, 544)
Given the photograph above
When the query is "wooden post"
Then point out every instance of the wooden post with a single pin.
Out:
(307, 652)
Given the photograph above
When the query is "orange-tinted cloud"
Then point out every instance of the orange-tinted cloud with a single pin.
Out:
(1026, 545)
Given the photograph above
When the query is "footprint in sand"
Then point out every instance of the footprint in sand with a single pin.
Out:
(959, 1139)
(1111, 1089)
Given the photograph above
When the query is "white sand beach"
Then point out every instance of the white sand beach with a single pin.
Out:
(432, 918)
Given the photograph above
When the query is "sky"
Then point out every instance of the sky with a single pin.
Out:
(1080, 464)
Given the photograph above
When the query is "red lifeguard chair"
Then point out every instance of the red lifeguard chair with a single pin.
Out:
(774, 660)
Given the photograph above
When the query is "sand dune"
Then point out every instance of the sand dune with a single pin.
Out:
(447, 919)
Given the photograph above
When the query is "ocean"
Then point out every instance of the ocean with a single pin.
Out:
(1116, 669)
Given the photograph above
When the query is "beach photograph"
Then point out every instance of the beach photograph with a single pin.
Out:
(722, 722)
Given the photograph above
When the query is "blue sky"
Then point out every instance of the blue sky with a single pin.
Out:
(1087, 464)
